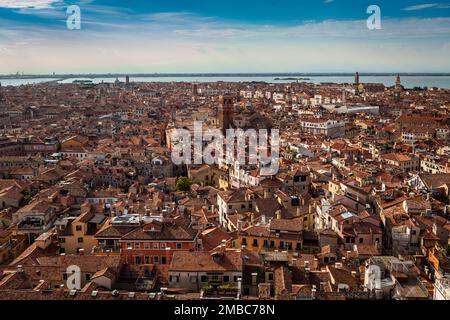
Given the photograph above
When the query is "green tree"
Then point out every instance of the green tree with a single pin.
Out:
(27, 196)
(183, 184)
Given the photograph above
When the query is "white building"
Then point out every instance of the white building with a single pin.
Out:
(442, 289)
(329, 128)
(352, 109)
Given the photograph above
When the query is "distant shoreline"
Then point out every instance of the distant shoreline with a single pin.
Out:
(293, 79)
(200, 75)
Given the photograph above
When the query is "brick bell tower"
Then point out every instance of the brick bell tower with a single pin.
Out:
(225, 113)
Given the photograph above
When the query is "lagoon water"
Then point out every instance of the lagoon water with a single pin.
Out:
(19, 82)
(407, 80)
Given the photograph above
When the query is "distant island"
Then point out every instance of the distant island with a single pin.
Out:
(293, 79)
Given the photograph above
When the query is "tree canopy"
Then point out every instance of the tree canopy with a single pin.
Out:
(183, 184)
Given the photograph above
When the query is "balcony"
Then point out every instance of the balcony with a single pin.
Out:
(32, 226)
(106, 250)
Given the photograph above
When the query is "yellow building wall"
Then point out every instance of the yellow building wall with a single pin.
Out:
(71, 244)
(238, 243)
(223, 184)
(9, 252)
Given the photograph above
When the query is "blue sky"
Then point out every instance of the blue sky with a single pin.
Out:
(224, 36)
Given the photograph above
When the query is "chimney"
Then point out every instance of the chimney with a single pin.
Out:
(62, 258)
(307, 266)
(278, 213)
(322, 286)
(223, 248)
(239, 286)
(81, 252)
(239, 225)
(252, 217)
(254, 279)
(298, 211)
(315, 263)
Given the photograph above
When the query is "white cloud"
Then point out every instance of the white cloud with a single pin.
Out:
(327, 30)
(420, 7)
(35, 4)
(186, 43)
